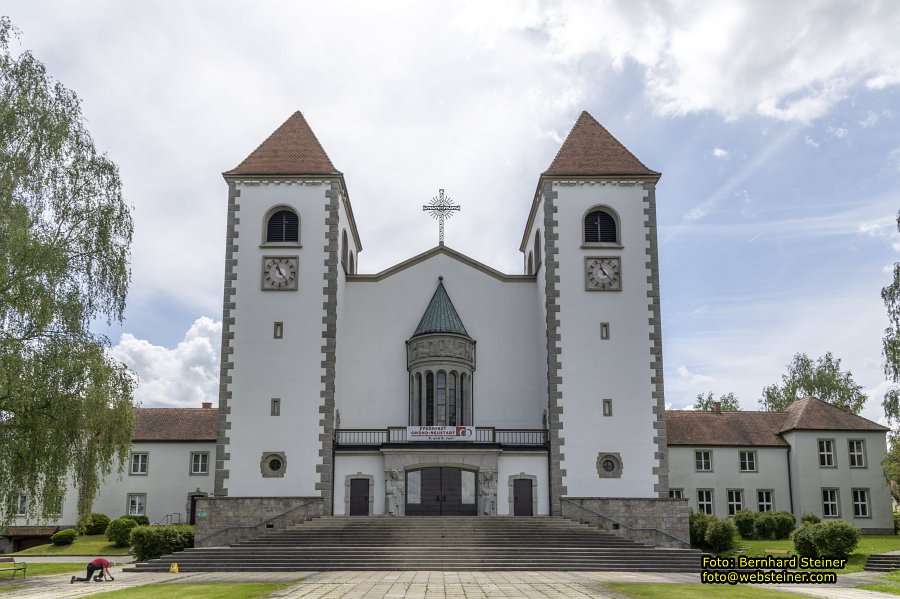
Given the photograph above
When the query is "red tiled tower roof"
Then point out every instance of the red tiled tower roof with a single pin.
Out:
(591, 150)
(292, 149)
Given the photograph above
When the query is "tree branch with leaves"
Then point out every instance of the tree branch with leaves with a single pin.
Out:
(822, 378)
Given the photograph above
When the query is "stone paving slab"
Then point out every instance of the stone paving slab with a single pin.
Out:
(412, 585)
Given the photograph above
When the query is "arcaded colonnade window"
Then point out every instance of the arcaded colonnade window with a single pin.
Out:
(440, 398)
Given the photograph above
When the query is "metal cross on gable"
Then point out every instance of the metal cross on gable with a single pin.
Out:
(441, 209)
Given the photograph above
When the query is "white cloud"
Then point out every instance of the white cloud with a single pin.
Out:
(811, 142)
(183, 376)
(838, 132)
(693, 378)
(720, 153)
(870, 121)
(884, 229)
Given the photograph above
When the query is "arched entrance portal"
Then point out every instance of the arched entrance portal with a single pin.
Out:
(441, 491)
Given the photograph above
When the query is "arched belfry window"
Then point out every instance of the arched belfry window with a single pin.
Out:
(538, 250)
(600, 227)
(352, 265)
(283, 226)
(344, 250)
(530, 270)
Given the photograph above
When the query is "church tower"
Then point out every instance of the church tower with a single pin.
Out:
(291, 241)
(591, 242)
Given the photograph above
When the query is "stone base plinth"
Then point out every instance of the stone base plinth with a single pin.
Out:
(227, 520)
(660, 522)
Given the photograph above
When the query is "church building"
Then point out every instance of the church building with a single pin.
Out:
(441, 386)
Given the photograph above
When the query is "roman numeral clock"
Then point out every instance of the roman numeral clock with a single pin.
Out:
(602, 273)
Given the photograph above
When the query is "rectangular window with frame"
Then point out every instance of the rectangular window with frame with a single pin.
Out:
(278, 330)
(200, 462)
(20, 504)
(276, 407)
(830, 504)
(857, 449)
(860, 503)
(137, 504)
(748, 461)
(826, 453)
(705, 501)
(139, 463)
(703, 460)
(604, 331)
(676, 493)
(764, 501)
(607, 407)
(735, 501)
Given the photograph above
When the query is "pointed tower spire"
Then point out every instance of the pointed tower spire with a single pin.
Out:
(440, 315)
(292, 149)
(590, 149)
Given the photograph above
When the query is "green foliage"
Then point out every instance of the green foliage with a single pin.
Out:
(805, 540)
(896, 522)
(93, 524)
(783, 525)
(822, 378)
(64, 537)
(809, 519)
(151, 542)
(745, 522)
(698, 524)
(720, 535)
(119, 530)
(141, 520)
(707, 403)
(890, 346)
(836, 539)
(65, 234)
(765, 525)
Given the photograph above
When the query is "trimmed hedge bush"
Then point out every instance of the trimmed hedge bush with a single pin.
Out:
(64, 537)
(784, 524)
(141, 520)
(805, 540)
(93, 524)
(151, 542)
(720, 535)
(119, 530)
(745, 521)
(698, 524)
(765, 526)
(809, 519)
(836, 539)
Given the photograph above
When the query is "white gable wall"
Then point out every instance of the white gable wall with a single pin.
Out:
(378, 317)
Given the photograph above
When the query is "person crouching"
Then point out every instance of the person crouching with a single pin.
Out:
(97, 564)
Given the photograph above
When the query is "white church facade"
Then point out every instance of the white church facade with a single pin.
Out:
(545, 385)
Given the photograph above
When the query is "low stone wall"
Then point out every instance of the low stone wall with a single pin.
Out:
(660, 522)
(227, 520)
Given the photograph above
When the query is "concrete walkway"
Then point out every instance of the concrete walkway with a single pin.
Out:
(414, 585)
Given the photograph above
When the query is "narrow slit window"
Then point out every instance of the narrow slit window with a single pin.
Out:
(607, 407)
(276, 407)
(604, 331)
(278, 330)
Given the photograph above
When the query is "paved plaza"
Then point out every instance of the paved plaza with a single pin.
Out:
(412, 585)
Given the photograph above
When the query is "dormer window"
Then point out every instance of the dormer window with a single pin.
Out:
(283, 227)
(600, 227)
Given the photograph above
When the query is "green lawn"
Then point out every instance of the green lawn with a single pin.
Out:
(9, 588)
(237, 590)
(690, 591)
(868, 544)
(84, 545)
(893, 589)
(45, 568)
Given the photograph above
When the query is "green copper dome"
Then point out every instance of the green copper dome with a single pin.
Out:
(440, 316)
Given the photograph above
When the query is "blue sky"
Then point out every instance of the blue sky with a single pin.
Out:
(775, 126)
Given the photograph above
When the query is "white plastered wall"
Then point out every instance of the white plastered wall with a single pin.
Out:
(378, 317)
(513, 464)
(618, 368)
(350, 464)
(288, 368)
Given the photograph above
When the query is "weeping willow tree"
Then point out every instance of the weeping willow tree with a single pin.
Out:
(65, 237)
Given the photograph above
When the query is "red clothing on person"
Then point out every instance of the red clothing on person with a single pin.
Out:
(100, 563)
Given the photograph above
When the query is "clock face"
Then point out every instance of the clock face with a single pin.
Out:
(603, 273)
(279, 273)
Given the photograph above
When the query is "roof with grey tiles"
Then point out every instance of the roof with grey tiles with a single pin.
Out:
(440, 316)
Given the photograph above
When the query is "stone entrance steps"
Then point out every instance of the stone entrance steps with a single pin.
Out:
(883, 562)
(427, 543)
